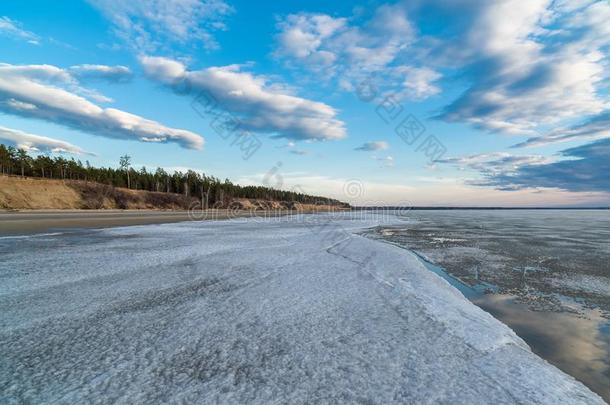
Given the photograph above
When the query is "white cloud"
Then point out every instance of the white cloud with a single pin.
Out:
(496, 162)
(12, 28)
(37, 143)
(52, 75)
(302, 35)
(531, 64)
(149, 25)
(165, 70)
(597, 127)
(111, 73)
(584, 169)
(525, 64)
(47, 92)
(340, 49)
(373, 146)
(47, 73)
(20, 105)
(418, 82)
(260, 106)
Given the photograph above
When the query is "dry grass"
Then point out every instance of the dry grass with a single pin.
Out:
(100, 196)
(18, 193)
(31, 193)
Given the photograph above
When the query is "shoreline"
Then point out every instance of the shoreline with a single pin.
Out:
(553, 334)
(506, 309)
(25, 222)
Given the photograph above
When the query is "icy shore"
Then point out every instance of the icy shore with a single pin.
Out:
(298, 310)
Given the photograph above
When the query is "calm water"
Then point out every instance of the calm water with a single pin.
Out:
(545, 273)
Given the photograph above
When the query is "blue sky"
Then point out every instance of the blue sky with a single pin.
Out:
(461, 102)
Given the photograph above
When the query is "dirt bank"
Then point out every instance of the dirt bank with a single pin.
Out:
(18, 193)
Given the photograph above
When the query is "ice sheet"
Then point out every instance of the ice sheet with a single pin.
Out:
(292, 309)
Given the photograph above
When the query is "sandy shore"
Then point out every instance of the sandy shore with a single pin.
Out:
(26, 222)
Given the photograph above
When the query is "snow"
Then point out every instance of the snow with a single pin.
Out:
(296, 309)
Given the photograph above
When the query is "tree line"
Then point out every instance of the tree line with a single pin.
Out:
(18, 162)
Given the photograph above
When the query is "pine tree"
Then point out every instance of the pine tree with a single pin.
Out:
(208, 188)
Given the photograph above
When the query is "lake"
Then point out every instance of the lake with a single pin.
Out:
(544, 273)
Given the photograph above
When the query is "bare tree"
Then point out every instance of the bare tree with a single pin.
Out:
(125, 162)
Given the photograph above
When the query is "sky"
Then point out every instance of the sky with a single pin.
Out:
(435, 103)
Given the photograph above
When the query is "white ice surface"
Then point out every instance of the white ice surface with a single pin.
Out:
(251, 311)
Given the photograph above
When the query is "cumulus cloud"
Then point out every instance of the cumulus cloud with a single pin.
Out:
(585, 170)
(259, 105)
(37, 72)
(37, 143)
(373, 146)
(149, 25)
(48, 92)
(51, 75)
(13, 29)
(351, 51)
(302, 35)
(524, 65)
(418, 83)
(110, 73)
(529, 63)
(597, 127)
